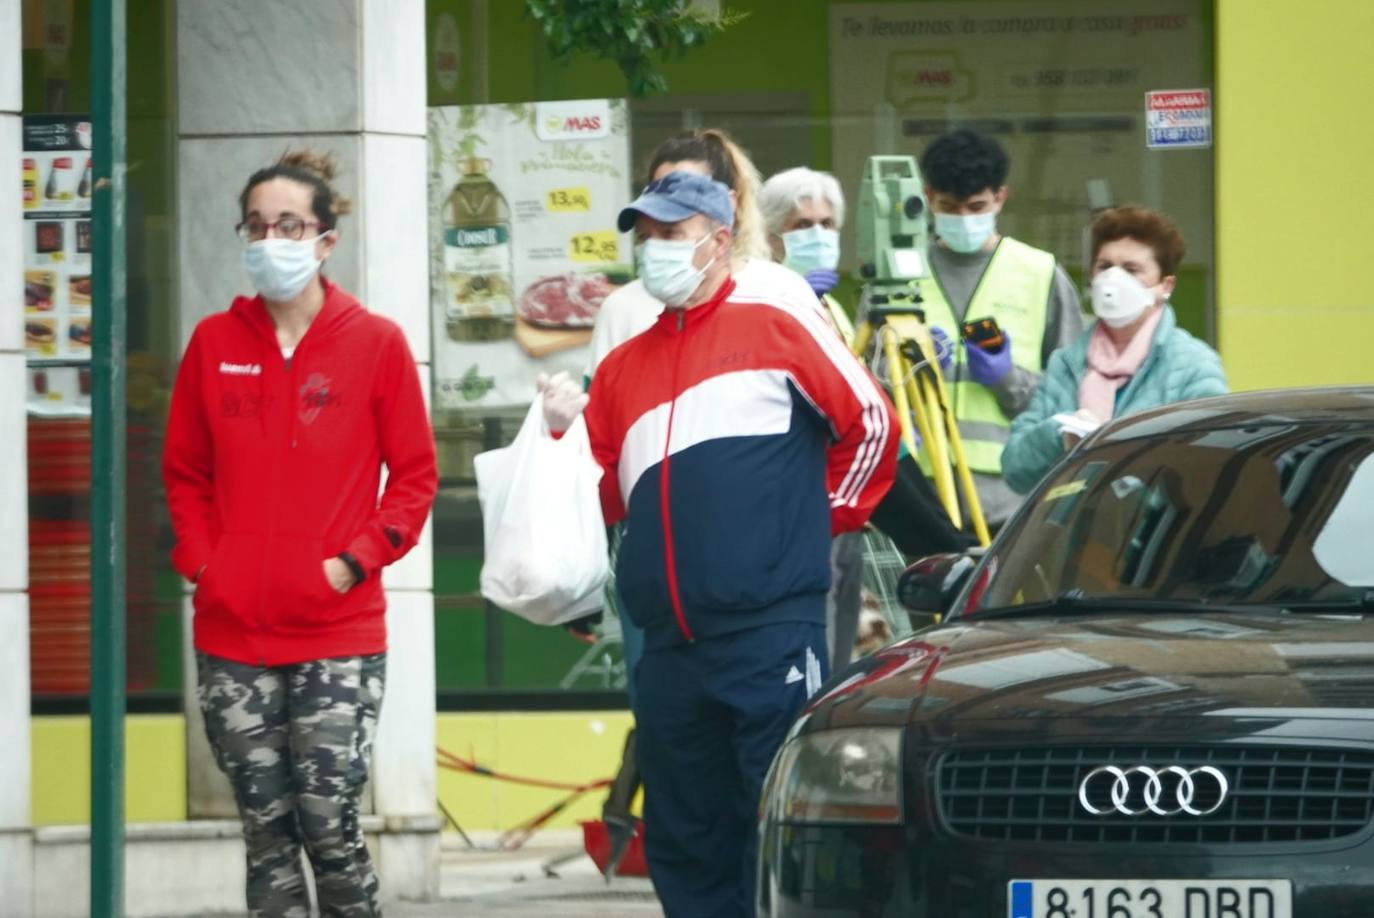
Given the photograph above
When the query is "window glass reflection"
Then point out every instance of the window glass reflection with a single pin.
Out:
(1342, 546)
(1275, 515)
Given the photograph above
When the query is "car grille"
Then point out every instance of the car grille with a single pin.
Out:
(1277, 794)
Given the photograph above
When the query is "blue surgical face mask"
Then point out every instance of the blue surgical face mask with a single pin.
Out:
(965, 234)
(810, 249)
(279, 269)
(666, 268)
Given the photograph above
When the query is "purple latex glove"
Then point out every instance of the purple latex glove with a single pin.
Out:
(822, 280)
(989, 368)
(944, 350)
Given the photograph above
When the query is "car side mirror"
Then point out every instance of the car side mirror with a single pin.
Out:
(932, 584)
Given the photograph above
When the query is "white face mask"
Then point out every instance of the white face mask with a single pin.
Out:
(665, 267)
(1118, 298)
(279, 269)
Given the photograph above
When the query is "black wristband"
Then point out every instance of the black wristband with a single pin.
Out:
(585, 624)
(359, 575)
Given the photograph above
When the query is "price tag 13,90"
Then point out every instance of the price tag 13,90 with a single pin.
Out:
(568, 200)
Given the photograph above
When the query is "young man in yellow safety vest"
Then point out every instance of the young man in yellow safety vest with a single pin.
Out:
(977, 273)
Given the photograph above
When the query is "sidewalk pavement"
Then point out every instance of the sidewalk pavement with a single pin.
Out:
(553, 878)
(550, 878)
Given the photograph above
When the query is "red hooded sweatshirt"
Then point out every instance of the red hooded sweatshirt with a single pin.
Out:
(272, 466)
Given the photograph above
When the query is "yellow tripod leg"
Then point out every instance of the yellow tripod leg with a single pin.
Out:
(899, 375)
(927, 408)
(966, 486)
(922, 396)
(898, 330)
(918, 410)
(937, 446)
(862, 336)
(895, 373)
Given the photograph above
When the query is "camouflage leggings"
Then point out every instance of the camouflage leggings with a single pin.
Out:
(295, 741)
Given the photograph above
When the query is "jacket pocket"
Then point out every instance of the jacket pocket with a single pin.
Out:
(226, 584)
(641, 583)
(733, 564)
(295, 591)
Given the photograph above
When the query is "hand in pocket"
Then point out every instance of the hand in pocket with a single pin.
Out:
(338, 575)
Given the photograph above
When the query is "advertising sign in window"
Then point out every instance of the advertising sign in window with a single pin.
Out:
(524, 249)
(57, 184)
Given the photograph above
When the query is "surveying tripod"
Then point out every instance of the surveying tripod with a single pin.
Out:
(892, 239)
(901, 341)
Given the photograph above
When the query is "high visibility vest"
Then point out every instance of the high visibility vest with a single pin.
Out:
(1014, 290)
(839, 318)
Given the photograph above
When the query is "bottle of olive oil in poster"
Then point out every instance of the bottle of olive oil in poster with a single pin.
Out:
(477, 258)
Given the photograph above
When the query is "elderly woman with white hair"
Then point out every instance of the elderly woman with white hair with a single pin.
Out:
(803, 210)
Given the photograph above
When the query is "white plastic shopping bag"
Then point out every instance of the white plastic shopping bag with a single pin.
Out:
(545, 557)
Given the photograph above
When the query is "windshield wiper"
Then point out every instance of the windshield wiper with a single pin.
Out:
(1076, 602)
(1354, 604)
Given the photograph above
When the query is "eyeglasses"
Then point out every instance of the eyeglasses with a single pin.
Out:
(285, 228)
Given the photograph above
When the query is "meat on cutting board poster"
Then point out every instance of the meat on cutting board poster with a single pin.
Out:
(523, 245)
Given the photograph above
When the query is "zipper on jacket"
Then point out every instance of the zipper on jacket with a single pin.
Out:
(669, 561)
(289, 366)
(291, 392)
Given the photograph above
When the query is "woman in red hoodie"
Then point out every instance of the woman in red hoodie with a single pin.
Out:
(286, 408)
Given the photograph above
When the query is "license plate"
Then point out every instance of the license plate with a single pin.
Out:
(1149, 899)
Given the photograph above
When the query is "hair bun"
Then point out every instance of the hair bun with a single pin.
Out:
(320, 163)
(324, 166)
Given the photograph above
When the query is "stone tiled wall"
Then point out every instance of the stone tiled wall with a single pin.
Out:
(16, 852)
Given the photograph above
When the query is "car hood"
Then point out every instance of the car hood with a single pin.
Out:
(1110, 667)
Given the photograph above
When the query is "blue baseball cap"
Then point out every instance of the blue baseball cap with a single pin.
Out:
(677, 196)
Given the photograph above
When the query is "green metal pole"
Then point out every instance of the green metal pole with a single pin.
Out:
(107, 459)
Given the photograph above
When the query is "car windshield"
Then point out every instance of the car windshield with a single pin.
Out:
(1277, 516)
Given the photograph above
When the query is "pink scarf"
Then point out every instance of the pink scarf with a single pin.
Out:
(1109, 369)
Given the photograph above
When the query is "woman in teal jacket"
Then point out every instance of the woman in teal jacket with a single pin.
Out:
(1134, 357)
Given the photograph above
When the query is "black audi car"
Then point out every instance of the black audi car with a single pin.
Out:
(1152, 697)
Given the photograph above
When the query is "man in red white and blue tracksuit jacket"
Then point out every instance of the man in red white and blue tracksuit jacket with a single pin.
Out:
(737, 435)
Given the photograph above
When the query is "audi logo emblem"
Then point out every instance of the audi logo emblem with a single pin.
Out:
(1146, 784)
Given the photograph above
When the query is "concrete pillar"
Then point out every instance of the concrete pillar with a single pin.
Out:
(346, 76)
(16, 842)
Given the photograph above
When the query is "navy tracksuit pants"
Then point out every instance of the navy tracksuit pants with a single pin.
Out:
(710, 716)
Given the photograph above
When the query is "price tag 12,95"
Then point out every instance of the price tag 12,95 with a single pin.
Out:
(601, 246)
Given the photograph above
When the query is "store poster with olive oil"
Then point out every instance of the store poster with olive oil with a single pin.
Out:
(57, 185)
(523, 244)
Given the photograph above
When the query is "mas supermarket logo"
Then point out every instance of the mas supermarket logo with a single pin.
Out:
(583, 120)
(927, 76)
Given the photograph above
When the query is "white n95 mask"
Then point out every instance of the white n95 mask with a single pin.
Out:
(1118, 298)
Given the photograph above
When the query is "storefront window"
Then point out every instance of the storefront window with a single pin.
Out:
(1061, 83)
(57, 190)
(524, 249)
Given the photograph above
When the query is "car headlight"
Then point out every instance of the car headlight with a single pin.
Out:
(839, 776)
